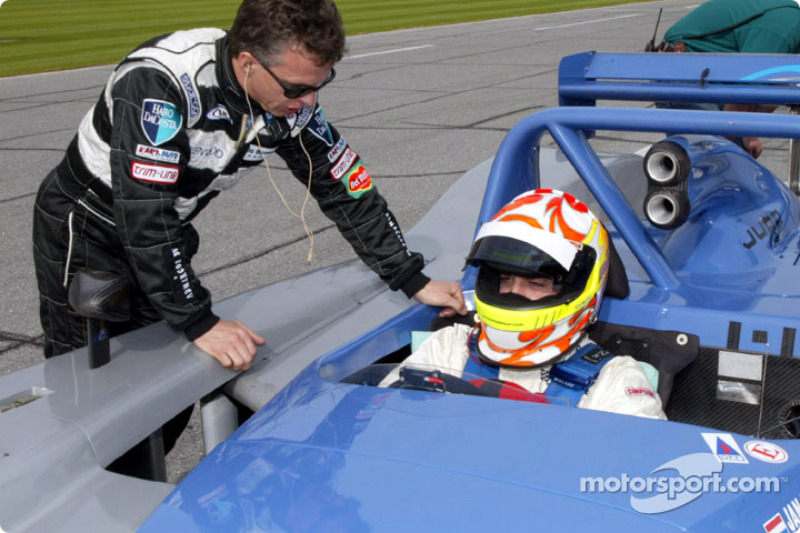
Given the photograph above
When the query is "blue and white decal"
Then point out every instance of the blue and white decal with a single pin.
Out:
(219, 112)
(337, 150)
(160, 120)
(157, 154)
(788, 73)
(254, 153)
(725, 448)
(194, 100)
(320, 129)
(304, 116)
(298, 121)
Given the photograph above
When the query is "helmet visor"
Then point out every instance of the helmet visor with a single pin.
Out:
(503, 255)
(516, 257)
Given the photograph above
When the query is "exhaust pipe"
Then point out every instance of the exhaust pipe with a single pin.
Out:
(666, 163)
(666, 208)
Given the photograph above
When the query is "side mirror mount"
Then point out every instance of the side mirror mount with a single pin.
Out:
(101, 297)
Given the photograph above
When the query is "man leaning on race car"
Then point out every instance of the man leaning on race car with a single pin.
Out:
(542, 269)
(179, 117)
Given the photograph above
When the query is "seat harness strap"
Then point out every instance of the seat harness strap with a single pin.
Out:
(475, 366)
(571, 379)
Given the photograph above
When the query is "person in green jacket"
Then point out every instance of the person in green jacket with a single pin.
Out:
(739, 26)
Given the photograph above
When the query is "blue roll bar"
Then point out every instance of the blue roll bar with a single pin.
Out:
(515, 168)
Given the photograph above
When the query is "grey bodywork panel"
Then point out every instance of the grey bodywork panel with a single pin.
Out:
(53, 449)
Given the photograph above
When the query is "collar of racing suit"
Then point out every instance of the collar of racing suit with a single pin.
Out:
(232, 92)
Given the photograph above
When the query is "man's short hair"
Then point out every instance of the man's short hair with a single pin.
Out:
(266, 28)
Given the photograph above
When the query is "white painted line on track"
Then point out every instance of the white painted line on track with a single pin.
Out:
(390, 51)
(593, 21)
(55, 72)
(408, 49)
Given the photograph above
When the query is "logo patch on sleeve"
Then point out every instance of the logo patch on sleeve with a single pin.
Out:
(182, 289)
(344, 164)
(358, 180)
(305, 114)
(194, 100)
(219, 112)
(161, 121)
(157, 154)
(320, 129)
(254, 153)
(298, 121)
(337, 150)
(154, 173)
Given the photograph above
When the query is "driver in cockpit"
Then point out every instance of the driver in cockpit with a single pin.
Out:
(542, 270)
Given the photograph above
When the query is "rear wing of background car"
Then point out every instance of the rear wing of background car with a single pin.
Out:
(670, 77)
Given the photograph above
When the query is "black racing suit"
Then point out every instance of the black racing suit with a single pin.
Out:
(171, 130)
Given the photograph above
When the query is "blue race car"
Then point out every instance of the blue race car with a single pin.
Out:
(708, 242)
(710, 300)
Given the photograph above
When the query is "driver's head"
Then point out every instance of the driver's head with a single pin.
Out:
(542, 267)
(531, 287)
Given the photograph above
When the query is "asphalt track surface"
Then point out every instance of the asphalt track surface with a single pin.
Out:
(420, 106)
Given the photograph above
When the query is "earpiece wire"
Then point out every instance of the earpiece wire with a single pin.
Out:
(309, 232)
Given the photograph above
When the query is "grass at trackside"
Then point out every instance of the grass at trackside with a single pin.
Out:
(366, 16)
(42, 35)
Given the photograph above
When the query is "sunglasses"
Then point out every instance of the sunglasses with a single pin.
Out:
(296, 91)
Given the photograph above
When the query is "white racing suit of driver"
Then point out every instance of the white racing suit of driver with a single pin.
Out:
(171, 130)
(621, 387)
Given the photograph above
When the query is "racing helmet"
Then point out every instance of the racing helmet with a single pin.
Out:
(543, 232)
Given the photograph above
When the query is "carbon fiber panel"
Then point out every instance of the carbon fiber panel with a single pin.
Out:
(694, 398)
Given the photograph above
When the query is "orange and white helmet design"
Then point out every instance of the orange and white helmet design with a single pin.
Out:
(540, 233)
